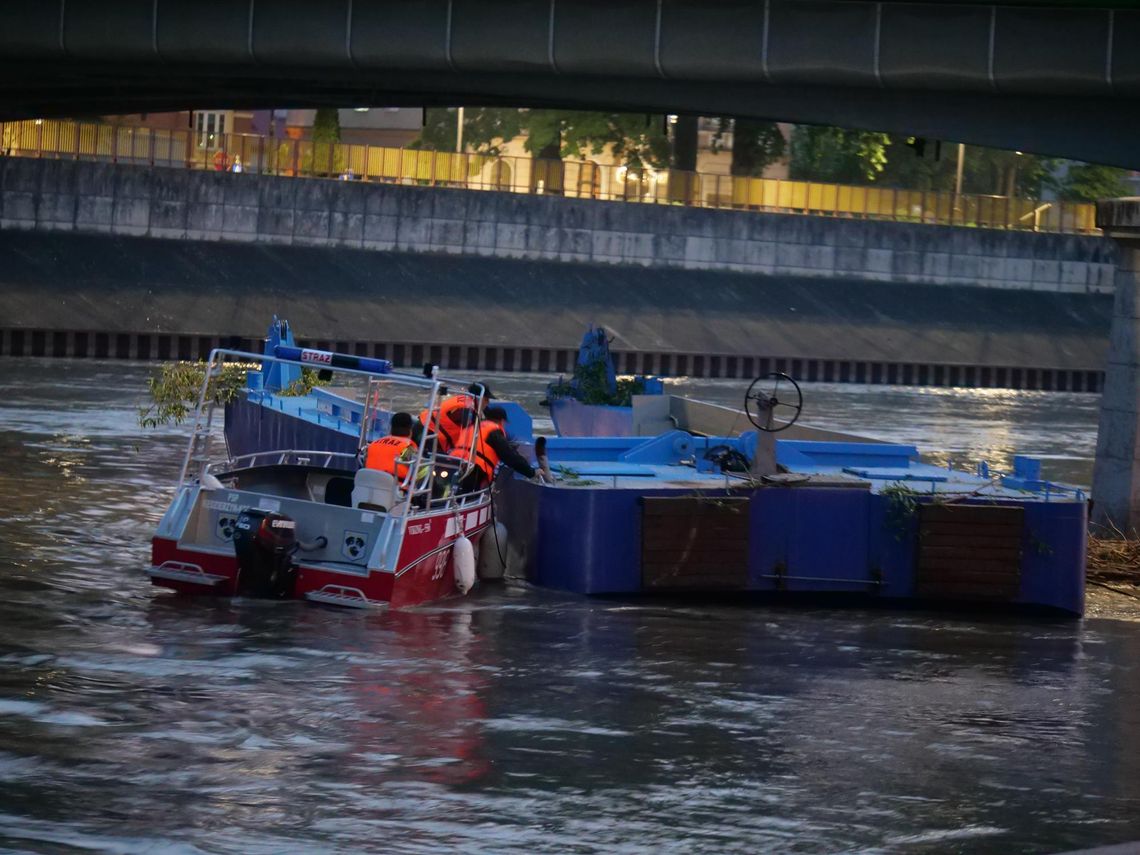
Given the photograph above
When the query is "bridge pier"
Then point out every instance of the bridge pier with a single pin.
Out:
(1116, 476)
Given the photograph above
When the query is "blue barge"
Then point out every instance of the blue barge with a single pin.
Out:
(842, 518)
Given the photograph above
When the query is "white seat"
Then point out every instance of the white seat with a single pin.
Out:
(374, 488)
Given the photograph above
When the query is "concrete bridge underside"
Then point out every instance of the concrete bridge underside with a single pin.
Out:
(1063, 81)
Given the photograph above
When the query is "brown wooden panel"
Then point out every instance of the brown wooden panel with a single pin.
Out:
(967, 526)
(968, 592)
(969, 552)
(994, 538)
(722, 508)
(972, 553)
(980, 565)
(696, 544)
(984, 514)
(981, 578)
(685, 536)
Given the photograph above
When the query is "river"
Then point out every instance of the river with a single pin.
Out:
(517, 720)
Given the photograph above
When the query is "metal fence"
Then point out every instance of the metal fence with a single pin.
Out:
(574, 179)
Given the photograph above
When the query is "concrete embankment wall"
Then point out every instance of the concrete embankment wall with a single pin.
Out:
(119, 199)
(136, 297)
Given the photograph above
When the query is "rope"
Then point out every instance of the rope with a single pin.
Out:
(495, 528)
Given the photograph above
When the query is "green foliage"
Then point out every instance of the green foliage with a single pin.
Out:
(324, 157)
(836, 155)
(304, 384)
(1088, 182)
(637, 139)
(592, 388)
(755, 145)
(485, 129)
(174, 391)
(175, 388)
(931, 168)
(843, 156)
(1007, 173)
(985, 171)
(568, 477)
(326, 125)
(902, 508)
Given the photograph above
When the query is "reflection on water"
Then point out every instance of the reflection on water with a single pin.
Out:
(516, 719)
(959, 426)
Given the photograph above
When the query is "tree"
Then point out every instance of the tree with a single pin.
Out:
(836, 155)
(326, 125)
(1088, 182)
(755, 145)
(636, 139)
(485, 129)
(915, 164)
(910, 163)
(326, 157)
(997, 172)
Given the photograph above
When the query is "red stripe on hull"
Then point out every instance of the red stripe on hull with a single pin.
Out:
(425, 565)
(162, 550)
(430, 578)
(376, 586)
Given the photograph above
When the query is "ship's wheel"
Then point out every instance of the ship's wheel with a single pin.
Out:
(773, 403)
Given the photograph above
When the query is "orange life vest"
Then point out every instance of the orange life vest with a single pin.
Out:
(448, 430)
(485, 458)
(384, 453)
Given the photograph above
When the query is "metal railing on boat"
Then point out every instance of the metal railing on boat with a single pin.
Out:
(343, 595)
(299, 457)
(184, 571)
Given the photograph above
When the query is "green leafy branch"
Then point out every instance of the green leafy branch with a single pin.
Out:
(592, 386)
(902, 507)
(174, 389)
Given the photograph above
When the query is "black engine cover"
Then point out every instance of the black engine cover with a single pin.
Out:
(264, 543)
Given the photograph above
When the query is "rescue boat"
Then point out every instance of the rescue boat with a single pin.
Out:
(285, 521)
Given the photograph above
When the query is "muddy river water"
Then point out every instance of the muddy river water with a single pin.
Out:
(518, 720)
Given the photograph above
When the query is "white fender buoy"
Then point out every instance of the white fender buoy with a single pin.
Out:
(493, 552)
(463, 562)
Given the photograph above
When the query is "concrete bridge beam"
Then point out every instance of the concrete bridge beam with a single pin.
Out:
(1116, 476)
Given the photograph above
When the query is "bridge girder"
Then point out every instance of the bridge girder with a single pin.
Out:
(1061, 81)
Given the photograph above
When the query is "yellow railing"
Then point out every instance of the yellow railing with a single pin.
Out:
(574, 179)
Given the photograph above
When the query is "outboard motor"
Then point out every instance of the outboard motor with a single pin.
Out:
(264, 543)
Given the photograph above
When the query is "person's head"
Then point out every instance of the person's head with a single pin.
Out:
(495, 414)
(401, 424)
(475, 390)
